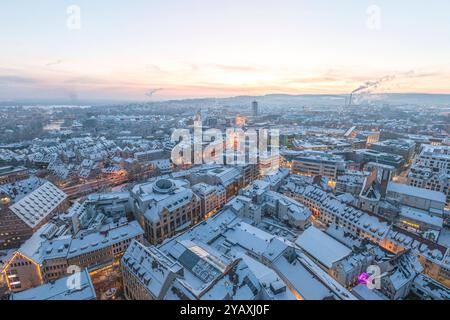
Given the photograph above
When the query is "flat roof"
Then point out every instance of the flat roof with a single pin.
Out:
(322, 247)
(364, 293)
(11, 169)
(416, 192)
(421, 216)
(60, 290)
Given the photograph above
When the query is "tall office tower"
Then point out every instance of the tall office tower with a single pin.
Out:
(255, 108)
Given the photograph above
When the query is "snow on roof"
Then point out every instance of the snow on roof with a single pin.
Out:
(322, 247)
(416, 192)
(60, 290)
(364, 293)
(208, 230)
(225, 175)
(151, 267)
(424, 247)
(432, 288)
(203, 188)
(308, 286)
(36, 206)
(342, 236)
(444, 237)
(232, 237)
(179, 199)
(407, 267)
(441, 152)
(277, 177)
(209, 274)
(202, 260)
(353, 177)
(368, 223)
(107, 196)
(347, 198)
(325, 278)
(98, 240)
(39, 248)
(243, 287)
(249, 237)
(268, 278)
(421, 216)
(31, 246)
(17, 190)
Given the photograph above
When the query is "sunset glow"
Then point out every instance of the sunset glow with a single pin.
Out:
(211, 48)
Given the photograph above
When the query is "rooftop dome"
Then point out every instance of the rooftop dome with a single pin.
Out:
(163, 186)
(4, 199)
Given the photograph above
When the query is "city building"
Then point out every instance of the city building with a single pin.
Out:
(421, 222)
(426, 288)
(74, 287)
(255, 109)
(351, 182)
(195, 271)
(315, 163)
(431, 170)
(201, 263)
(231, 178)
(25, 206)
(212, 198)
(401, 147)
(92, 206)
(368, 155)
(44, 258)
(433, 202)
(151, 155)
(322, 248)
(433, 257)
(330, 210)
(369, 136)
(164, 207)
(362, 292)
(257, 201)
(396, 283)
(10, 174)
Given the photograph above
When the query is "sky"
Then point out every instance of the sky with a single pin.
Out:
(127, 49)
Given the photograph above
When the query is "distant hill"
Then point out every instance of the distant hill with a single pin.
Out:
(322, 99)
(267, 100)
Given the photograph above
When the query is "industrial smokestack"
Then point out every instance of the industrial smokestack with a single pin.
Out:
(369, 85)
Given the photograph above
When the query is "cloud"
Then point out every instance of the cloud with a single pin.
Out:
(8, 80)
(237, 68)
(11, 80)
(83, 80)
(415, 74)
(153, 68)
(53, 63)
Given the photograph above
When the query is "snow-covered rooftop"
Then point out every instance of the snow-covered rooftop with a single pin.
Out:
(61, 289)
(36, 206)
(322, 247)
(421, 216)
(416, 192)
